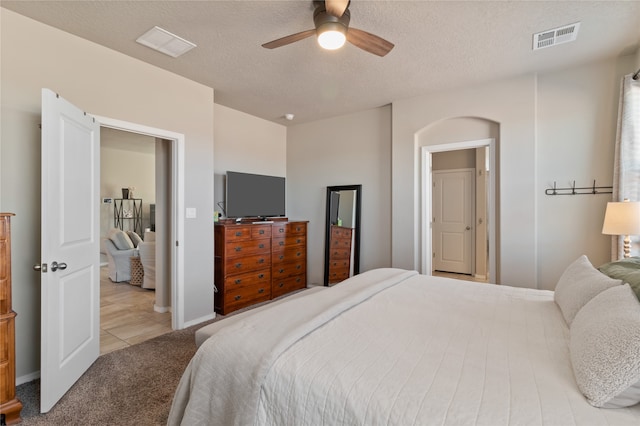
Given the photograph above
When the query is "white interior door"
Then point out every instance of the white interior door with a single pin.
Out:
(453, 220)
(70, 252)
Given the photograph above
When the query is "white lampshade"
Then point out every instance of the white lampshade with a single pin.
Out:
(622, 218)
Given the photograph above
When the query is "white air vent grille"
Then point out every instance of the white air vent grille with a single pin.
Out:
(556, 36)
(163, 41)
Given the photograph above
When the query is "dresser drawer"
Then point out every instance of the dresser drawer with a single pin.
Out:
(289, 269)
(286, 285)
(237, 233)
(340, 253)
(235, 249)
(340, 232)
(288, 254)
(338, 274)
(246, 264)
(291, 228)
(292, 240)
(244, 296)
(253, 278)
(341, 243)
(260, 231)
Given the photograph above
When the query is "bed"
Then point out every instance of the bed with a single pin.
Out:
(391, 346)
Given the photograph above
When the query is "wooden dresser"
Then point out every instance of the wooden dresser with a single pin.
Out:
(10, 406)
(340, 254)
(255, 262)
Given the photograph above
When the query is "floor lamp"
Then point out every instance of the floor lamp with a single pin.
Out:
(622, 218)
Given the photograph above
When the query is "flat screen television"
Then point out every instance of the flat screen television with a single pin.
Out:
(250, 195)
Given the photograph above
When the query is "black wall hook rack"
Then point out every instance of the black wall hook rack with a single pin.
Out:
(591, 190)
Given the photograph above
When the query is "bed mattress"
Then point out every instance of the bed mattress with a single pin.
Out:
(393, 347)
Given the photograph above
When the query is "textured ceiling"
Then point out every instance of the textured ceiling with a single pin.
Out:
(438, 45)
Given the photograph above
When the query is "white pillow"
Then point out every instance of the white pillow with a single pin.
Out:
(579, 283)
(605, 348)
(120, 239)
(135, 238)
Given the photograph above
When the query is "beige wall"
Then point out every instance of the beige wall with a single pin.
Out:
(555, 126)
(105, 83)
(347, 150)
(123, 168)
(248, 144)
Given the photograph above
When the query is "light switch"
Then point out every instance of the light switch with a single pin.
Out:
(191, 212)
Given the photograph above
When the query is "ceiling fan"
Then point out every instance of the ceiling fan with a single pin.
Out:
(331, 19)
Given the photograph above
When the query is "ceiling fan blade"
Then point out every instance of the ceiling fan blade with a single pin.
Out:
(289, 39)
(369, 42)
(336, 7)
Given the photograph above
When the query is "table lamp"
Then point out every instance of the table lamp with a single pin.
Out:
(622, 218)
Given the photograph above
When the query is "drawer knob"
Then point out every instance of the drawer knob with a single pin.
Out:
(281, 270)
(261, 290)
(281, 243)
(298, 254)
(281, 256)
(261, 276)
(238, 281)
(298, 240)
(261, 260)
(238, 265)
(238, 233)
(281, 230)
(298, 266)
(298, 280)
(261, 246)
(238, 297)
(261, 231)
(238, 248)
(281, 285)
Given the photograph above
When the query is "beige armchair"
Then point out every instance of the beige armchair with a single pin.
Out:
(119, 248)
(147, 250)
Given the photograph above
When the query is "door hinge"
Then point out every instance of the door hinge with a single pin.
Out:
(434, 254)
(177, 244)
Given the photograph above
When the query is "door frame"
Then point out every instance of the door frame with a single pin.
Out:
(426, 160)
(177, 141)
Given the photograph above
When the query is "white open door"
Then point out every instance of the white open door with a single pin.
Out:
(452, 221)
(70, 252)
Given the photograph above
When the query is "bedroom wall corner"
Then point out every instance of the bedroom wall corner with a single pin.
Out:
(346, 150)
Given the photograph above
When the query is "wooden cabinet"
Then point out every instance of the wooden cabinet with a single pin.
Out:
(10, 406)
(340, 253)
(255, 262)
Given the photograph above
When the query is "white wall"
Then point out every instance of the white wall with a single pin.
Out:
(555, 126)
(347, 150)
(123, 169)
(577, 115)
(248, 144)
(105, 83)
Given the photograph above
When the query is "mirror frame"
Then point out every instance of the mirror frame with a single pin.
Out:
(357, 228)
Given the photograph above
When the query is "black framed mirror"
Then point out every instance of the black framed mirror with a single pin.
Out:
(342, 237)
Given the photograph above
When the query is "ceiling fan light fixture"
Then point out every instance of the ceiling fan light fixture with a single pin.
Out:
(331, 36)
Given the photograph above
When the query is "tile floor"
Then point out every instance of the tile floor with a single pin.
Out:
(127, 316)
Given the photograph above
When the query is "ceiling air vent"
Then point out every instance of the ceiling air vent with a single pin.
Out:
(556, 36)
(163, 41)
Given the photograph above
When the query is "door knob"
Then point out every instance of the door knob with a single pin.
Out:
(467, 228)
(40, 268)
(55, 266)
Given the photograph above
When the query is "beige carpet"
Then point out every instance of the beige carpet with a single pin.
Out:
(130, 386)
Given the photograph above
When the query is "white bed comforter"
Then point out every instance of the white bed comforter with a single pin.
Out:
(392, 347)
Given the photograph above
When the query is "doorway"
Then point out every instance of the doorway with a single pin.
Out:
(170, 193)
(482, 221)
(130, 312)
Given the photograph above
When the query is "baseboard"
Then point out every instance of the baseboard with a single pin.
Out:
(161, 309)
(27, 378)
(200, 320)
